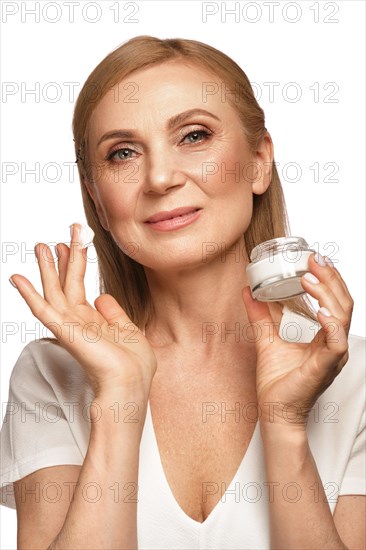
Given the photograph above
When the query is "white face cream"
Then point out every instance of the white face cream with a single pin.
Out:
(86, 235)
(276, 268)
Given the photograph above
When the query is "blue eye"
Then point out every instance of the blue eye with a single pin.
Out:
(197, 133)
(117, 154)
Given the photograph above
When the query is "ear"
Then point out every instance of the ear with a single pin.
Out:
(263, 161)
(93, 192)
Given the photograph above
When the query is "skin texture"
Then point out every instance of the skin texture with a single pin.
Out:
(169, 175)
(191, 286)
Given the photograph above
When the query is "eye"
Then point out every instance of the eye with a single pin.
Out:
(119, 154)
(196, 134)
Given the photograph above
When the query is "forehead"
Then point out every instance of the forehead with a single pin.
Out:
(161, 91)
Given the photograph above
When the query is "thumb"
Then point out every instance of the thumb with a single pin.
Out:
(112, 312)
(259, 315)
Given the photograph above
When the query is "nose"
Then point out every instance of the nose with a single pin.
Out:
(162, 171)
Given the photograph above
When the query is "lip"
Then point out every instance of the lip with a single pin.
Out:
(166, 215)
(182, 218)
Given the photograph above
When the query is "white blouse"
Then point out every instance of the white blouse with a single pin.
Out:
(47, 424)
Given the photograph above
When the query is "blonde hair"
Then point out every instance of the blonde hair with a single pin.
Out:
(119, 274)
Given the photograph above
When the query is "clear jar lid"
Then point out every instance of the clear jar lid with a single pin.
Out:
(276, 268)
(274, 246)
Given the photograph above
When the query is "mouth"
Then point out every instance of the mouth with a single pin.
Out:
(170, 215)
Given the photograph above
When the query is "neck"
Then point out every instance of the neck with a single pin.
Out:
(200, 308)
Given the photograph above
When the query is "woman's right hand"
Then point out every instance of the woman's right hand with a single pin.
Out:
(110, 348)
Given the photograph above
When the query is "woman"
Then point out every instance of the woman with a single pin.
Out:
(158, 128)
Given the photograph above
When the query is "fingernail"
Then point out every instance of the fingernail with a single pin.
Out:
(328, 261)
(12, 282)
(75, 234)
(325, 311)
(311, 278)
(319, 259)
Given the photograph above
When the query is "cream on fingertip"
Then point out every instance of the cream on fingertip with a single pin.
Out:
(86, 236)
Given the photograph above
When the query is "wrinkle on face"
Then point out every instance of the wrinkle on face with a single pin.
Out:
(164, 174)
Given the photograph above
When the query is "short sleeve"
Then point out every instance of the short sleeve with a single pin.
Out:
(354, 480)
(35, 432)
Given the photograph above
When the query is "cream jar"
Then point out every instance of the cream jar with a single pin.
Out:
(276, 268)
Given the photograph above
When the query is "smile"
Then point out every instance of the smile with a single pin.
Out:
(175, 222)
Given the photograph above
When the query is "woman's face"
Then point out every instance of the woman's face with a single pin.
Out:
(200, 160)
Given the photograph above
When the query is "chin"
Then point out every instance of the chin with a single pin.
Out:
(171, 261)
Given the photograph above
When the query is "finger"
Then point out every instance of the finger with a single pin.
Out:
(331, 276)
(263, 327)
(38, 305)
(329, 291)
(63, 252)
(332, 337)
(50, 281)
(324, 295)
(112, 312)
(74, 288)
(345, 287)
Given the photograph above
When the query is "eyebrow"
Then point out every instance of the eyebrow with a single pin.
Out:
(172, 122)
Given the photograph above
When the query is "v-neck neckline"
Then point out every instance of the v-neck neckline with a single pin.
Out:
(253, 444)
(214, 511)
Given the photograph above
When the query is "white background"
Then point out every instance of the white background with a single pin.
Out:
(310, 52)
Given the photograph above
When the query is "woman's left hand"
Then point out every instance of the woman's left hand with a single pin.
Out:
(290, 377)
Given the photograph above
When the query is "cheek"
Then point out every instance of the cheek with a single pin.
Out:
(114, 179)
(118, 211)
(228, 169)
(116, 197)
(122, 225)
(229, 186)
